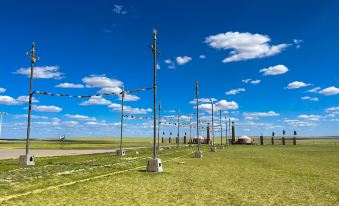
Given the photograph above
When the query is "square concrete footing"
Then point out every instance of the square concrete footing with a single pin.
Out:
(154, 165)
(198, 154)
(121, 152)
(213, 149)
(26, 161)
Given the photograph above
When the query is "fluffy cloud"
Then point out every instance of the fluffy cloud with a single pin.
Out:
(314, 99)
(244, 46)
(183, 60)
(18, 116)
(7, 100)
(311, 117)
(202, 56)
(170, 64)
(2, 90)
(274, 70)
(203, 100)
(297, 42)
(46, 72)
(70, 85)
(246, 80)
(220, 105)
(330, 91)
(96, 100)
(255, 81)
(44, 108)
(296, 85)
(80, 117)
(314, 90)
(101, 81)
(25, 99)
(257, 115)
(235, 91)
(130, 98)
(332, 109)
(109, 90)
(298, 123)
(129, 110)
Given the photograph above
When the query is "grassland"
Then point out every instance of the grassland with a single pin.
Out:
(305, 174)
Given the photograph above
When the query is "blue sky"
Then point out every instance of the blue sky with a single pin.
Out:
(269, 65)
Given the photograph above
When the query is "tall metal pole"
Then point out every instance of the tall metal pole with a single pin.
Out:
(190, 128)
(159, 128)
(155, 53)
(178, 128)
(226, 130)
(33, 60)
(122, 116)
(197, 105)
(220, 128)
(212, 121)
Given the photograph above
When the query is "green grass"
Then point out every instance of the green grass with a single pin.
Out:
(76, 143)
(238, 175)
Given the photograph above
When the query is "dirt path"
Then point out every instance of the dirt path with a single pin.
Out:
(15, 153)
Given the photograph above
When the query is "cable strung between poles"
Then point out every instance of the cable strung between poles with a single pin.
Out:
(89, 96)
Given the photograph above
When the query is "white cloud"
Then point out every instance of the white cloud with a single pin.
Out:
(332, 109)
(170, 64)
(170, 111)
(246, 80)
(298, 123)
(119, 9)
(220, 105)
(2, 90)
(80, 117)
(297, 43)
(274, 70)
(109, 90)
(256, 115)
(168, 61)
(24, 99)
(44, 108)
(46, 72)
(158, 66)
(183, 60)
(7, 100)
(101, 81)
(202, 56)
(255, 81)
(311, 117)
(314, 99)
(314, 90)
(244, 46)
(129, 110)
(96, 100)
(235, 91)
(330, 91)
(296, 85)
(130, 98)
(70, 85)
(203, 100)
(18, 116)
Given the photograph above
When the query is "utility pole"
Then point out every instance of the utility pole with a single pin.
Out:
(121, 152)
(213, 148)
(1, 115)
(222, 146)
(154, 165)
(159, 127)
(27, 159)
(197, 154)
(190, 129)
(226, 130)
(178, 128)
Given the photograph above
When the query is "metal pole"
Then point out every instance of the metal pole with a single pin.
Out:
(159, 128)
(178, 128)
(226, 129)
(154, 47)
(190, 128)
(122, 116)
(212, 121)
(33, 60)
(220, 128)
(197, 104)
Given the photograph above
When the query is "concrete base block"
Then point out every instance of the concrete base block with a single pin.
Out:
(213, 149)
(198, 154)
(26, 161)
(121, 152)
(154, 165)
